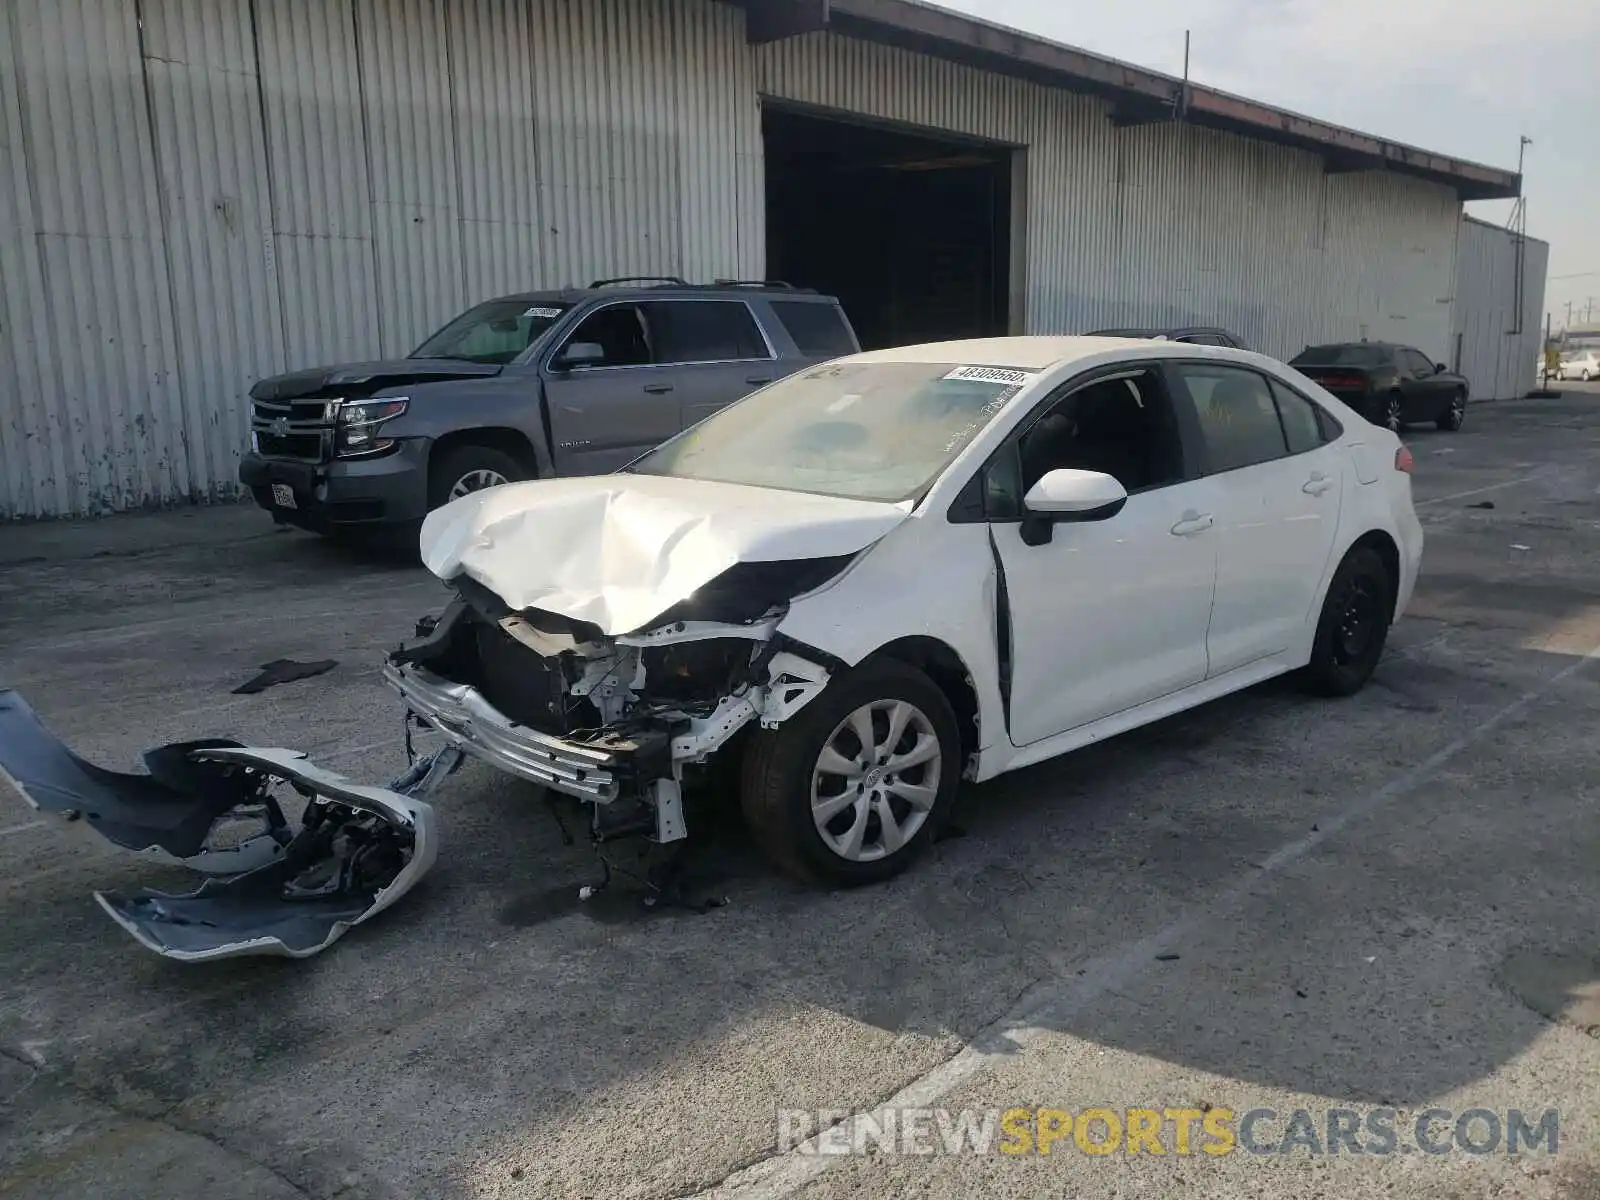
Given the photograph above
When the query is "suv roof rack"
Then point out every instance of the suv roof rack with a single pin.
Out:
(779, 284)
(670, 280)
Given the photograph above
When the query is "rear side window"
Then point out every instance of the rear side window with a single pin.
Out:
(1238, 418)
(1302, 420)
(818, 330)
(704, 331)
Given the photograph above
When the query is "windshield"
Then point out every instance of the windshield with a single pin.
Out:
(1341, 356)
(864, 431)
(496, 332)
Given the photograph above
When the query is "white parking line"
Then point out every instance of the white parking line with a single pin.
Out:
(1493, 487)
(1052, 1003)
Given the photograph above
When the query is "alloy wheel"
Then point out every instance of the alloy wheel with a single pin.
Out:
(876, 780)
(476, 481)
(1391, 414)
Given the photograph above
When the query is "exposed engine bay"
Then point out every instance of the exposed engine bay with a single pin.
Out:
(615, 720)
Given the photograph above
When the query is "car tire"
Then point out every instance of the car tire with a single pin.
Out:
(784, 779)
(1455, 413)
(1393, 413)
(470, 468)
(1353, 626)
(1585, 376)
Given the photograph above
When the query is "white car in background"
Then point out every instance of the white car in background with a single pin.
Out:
(905, 568)
(1580, 364)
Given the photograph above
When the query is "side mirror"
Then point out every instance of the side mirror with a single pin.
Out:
(581, 354)
(1439, 368)
(1067, 494)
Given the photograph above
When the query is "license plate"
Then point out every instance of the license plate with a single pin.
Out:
(283, 495)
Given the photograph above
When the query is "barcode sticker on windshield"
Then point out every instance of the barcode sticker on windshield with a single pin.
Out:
(992, 375)
(547, 314)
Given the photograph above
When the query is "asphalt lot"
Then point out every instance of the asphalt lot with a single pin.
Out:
(1273, 902)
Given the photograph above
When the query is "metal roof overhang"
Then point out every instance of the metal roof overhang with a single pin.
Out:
(1138, 96)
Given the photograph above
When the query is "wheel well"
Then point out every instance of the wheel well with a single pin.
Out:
(507, 441)
(943, 665)
(1383, 545)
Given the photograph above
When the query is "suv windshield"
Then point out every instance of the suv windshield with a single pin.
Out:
(1341, 356)
(864, 431)
(496, 332)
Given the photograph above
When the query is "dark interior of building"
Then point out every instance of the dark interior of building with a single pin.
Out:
(911, 232)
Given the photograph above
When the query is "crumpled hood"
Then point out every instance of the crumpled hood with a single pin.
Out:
(386, 373)
(617, 550)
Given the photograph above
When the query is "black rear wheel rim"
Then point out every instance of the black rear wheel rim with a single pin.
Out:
(1357, 621)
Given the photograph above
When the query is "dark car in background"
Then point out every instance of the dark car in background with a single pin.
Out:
(1195, 335)
(1390, 385)
(573, 382)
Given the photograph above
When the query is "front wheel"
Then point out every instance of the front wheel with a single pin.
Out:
(1586, 374)
(462, 470)
(1353, 627)
(852, 788)
(1454, 414)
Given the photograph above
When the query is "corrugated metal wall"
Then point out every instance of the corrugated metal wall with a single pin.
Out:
(196, 193)
(1498, 355)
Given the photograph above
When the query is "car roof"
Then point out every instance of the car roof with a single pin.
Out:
(1029, 353)
(1342, 345)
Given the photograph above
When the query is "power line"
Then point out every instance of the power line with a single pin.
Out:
(1574, 275)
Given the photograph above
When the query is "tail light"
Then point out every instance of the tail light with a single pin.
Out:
(1403, 460)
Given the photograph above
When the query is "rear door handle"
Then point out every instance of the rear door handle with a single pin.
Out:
(1317, 484)
(658, 389)
(1193, 523)
(758, 380)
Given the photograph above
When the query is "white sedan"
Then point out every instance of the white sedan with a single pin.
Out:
(1580, 364)
(879, 577)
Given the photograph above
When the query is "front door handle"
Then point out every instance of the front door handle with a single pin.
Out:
(758, 380)
(658, 389)
(1192, 523)
(1317, 484)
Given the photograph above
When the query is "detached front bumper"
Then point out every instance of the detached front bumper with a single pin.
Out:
(610, 767)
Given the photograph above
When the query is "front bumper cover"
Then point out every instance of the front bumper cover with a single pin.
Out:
(283, 892)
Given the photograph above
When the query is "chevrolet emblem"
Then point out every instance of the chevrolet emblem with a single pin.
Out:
(280, 426)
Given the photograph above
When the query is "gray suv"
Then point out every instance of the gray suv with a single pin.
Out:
(574, 382)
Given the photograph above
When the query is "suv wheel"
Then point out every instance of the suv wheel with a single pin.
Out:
(1392, 412)
(462, 470)
(851, 789)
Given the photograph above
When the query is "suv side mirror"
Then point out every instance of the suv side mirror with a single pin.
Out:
(1439, 368)
(581, 354)
(1067, 494)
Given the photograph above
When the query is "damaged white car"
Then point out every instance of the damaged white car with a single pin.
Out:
(879, 577)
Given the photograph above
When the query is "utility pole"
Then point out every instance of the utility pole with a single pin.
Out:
(1568, 324)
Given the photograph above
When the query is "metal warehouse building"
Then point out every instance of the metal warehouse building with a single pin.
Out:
(197, 193)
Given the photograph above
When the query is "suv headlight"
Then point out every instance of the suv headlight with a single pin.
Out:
(356, 429)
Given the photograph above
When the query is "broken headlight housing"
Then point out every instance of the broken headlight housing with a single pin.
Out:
(356, 427)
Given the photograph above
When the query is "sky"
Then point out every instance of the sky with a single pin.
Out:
(1465, 78)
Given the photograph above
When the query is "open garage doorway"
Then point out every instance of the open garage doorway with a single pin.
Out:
(913, 232)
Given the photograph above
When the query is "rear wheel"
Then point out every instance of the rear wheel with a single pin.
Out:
(1353, 627)
(1393, 410)
(1455, 412)
(851, 789)
(462, 470)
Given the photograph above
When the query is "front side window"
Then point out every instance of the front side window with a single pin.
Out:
(862, 430)
(1120, 427)
(1418, 363)
(619, 330)
(496, 332)
(1238, 419)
